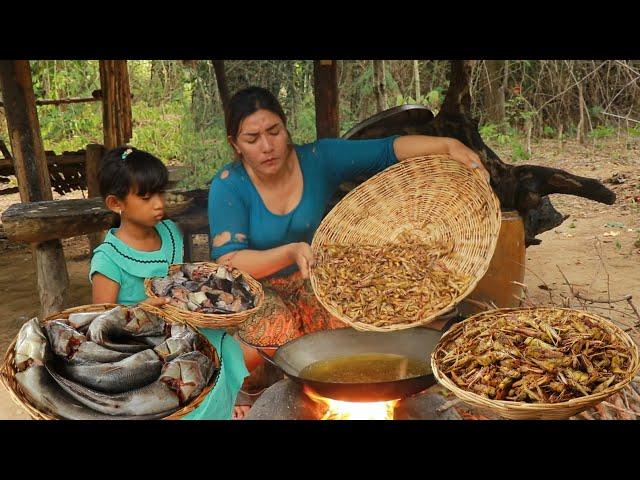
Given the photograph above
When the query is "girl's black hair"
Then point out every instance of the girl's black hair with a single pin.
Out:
(248, 101)
(138, 172)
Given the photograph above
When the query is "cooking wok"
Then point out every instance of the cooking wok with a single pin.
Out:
(417, 343)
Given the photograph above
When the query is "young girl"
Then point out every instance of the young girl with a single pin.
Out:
(132, 183)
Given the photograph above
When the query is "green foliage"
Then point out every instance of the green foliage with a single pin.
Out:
(634, 131)
(502, 134)
(435, 98)
(601, 131)
(519, 152)
(204, 152)
(505, 135)
(177, 113)
(596, 111)
(548, 131)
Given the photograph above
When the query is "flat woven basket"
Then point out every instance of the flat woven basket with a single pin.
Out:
(8, 371)
(537, 411)
(177, 208)
(210, 320)
(456, 204)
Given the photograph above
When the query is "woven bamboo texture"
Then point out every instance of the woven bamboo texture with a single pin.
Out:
(210, 320)
(433, 197)
(8, 371)
(537, 411)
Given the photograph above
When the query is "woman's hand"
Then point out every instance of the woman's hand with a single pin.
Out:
(460, 152)
(303, 256)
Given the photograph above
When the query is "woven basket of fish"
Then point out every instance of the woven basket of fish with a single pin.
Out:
(206, 294)
(109, 362)
(535, 363)
(407, 245)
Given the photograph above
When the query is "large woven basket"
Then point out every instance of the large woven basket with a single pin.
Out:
(537, 411)
(8, 370)
(210, 320)
(456, 204)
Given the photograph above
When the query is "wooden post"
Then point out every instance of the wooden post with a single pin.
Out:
(188, 246)
(33, 176)
(326, 97)
(92, 164)
(116, 102)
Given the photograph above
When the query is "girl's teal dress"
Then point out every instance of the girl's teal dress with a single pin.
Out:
(129, 267)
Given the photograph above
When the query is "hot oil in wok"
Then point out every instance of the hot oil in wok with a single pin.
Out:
(365, 368)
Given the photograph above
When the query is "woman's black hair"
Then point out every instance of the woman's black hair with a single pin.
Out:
(248, 101)
(127, 169)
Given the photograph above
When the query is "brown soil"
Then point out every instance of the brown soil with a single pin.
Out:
(597, 239)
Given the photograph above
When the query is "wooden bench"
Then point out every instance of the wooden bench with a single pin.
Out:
(36, 222)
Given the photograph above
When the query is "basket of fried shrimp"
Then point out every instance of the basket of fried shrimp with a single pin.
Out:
(109, 362)
(406, 246)
(535, 363)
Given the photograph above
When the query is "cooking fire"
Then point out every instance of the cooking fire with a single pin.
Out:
(341, 410)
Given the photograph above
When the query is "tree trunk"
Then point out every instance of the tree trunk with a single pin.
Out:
(379, 85)
(580, 136)
(416, 79)
(223, 89)
(494, 90)
(326, 98)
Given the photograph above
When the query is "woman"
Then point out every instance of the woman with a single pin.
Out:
(265, 207)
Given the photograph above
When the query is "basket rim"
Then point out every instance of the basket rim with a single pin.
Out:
(177, 208)
(492, 216)
(8, 371)
(523, 407)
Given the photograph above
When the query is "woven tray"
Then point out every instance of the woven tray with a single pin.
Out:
(177, 208)
(537, 411)
(210, 320)
(8, 371)
(458, 204)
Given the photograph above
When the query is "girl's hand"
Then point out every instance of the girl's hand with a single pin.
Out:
(460, 152)
(156, 301)
(303, 256)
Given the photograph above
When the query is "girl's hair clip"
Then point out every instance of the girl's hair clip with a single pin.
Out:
(126, 153)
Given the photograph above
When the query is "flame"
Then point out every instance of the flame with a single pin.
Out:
(341, 410)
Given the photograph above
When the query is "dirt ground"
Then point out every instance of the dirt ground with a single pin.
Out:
(597, 248)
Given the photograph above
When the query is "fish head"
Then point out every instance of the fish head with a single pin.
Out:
(65, 340)
(31, 346)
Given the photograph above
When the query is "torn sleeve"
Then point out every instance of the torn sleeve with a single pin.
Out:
(228, 219)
